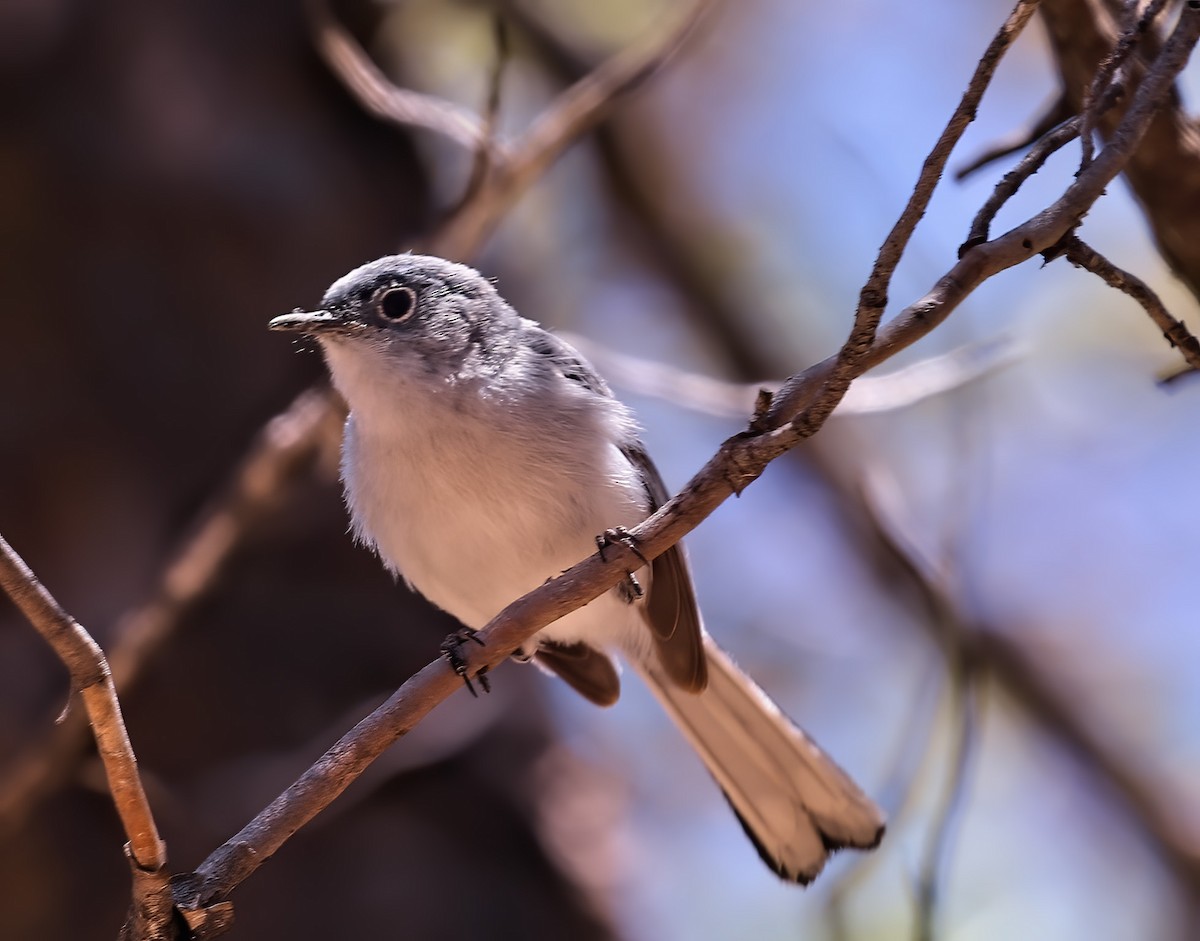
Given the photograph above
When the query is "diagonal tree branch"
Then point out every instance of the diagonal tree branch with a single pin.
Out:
(873, 298)
(92, 680)
(739, 461)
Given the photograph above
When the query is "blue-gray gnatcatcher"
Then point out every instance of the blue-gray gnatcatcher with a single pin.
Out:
(483, 455)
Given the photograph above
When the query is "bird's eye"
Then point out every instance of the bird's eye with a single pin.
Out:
(397, 304)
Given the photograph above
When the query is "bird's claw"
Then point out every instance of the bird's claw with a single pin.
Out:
(630, 589)
(452, 650)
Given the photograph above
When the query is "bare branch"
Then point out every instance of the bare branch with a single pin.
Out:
(1031, 237)
(90, 677)
(347, 60)
(572, 114)
(837, 372)
(1014, 178)
(1054, 114)
(873, 297)
(1175, 331)
(869, 395)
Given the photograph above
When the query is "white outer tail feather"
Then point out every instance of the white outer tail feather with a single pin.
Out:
(795, 803)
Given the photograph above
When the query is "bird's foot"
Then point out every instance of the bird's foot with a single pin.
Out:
(630, 589)
(452, 650)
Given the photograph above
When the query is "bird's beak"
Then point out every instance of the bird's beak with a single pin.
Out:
(309, 321)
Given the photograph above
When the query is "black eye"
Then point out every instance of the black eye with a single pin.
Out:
(397, 304)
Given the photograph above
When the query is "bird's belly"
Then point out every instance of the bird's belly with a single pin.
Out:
(473, 535)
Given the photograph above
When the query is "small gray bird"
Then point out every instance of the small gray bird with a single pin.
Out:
(484, 455)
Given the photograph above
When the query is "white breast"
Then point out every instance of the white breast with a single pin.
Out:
(474, 504)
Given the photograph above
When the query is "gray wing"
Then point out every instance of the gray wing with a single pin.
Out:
(559, 355)
(670, 609)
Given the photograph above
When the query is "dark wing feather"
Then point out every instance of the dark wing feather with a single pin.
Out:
(670, 608)
(589, 672)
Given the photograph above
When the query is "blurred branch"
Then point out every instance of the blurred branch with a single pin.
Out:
(929, 881)
(990, 654)
(981, 261)
(347, 60)
(91, 679)
(1054, 114)
(898, 796)
(948, 621)
(489, 145)
(869, 394)
(1176, 332)
(516, 166)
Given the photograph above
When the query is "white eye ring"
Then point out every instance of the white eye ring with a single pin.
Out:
(397, 304)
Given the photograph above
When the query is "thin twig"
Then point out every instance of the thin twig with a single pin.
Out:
(92, 680)
(1014, 178)
(1050, 117)
(869, 395)
(1176, 332)
(346, 59)
(873, 297)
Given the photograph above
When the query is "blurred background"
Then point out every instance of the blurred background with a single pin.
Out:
(981, 603)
